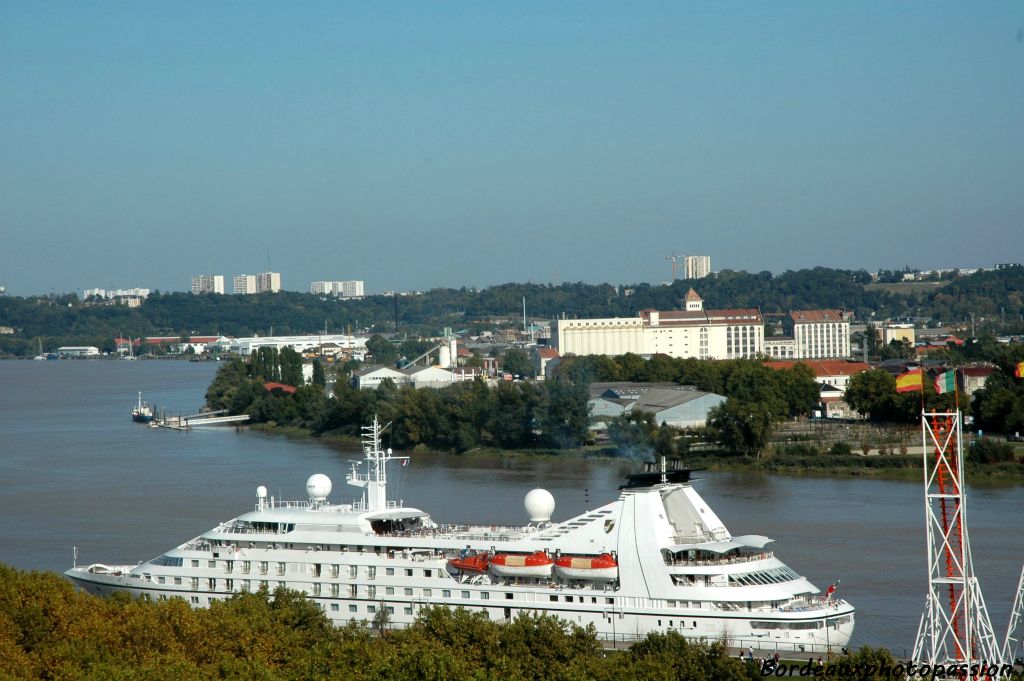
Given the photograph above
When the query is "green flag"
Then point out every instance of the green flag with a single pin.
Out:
(945, 382)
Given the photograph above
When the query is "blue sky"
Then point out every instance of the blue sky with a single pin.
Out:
(446, 144)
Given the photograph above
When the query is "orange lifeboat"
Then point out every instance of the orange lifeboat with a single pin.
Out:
(603, 568)
(537, 564)
(476, 562)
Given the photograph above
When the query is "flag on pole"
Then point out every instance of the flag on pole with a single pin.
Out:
(910, 381)
(945, 382)
(1019, 372)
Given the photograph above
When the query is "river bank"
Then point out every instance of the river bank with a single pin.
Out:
(895, 467)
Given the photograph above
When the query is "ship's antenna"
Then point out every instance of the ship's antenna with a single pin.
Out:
(74, 558)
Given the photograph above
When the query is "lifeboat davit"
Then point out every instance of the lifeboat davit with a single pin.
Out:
(603, 568)
(476, 562)
(537, 564)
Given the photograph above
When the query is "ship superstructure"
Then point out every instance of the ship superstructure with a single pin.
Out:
(655, 559)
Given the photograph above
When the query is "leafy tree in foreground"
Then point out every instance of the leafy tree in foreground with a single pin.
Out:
(49, 630)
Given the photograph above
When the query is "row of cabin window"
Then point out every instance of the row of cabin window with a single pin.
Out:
(372, 591)
(245, 567)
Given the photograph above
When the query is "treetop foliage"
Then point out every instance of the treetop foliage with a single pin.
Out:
(49, 630)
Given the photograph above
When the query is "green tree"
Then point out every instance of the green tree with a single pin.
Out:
(799, 389)
(290, 363)
(744, 427)
(898, 349)
(633, 434)
(517, 362)
(382, 351)
(230, 375)
(566, 421)
(872, 393)
(319, 375)
(873, 341)
(986, 450)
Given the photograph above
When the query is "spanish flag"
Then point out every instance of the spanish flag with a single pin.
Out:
(1019, 372)
(910, 381)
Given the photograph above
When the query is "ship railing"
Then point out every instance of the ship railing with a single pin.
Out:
(464, 532)
(746, 558)
(813, 603)
(481, 530)
(281, 503)
(702, 537)
(202, 545)
(245, 528)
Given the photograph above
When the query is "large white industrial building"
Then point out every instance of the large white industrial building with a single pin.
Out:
(245, 346)
(693, 332)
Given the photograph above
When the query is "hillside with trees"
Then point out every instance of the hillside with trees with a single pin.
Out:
(992, 296)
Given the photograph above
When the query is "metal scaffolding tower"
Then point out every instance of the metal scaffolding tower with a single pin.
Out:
(955, 626)
(1012, 648)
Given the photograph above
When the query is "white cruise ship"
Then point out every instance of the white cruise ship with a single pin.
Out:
(655, 559)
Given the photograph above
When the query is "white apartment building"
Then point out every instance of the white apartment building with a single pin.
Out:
(109, 294)
(693, 332)
(268, 282)
(696, 266)
(819, 334)
(352, 289)
(264, 282)
(343, 289)
(208, 283)
(244, 284)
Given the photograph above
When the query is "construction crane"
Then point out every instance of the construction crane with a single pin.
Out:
(674, 258)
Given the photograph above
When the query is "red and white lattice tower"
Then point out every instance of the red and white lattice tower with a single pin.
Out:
(1012, 646)
(955, 626)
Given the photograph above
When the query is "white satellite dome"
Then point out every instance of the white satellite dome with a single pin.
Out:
(261, 492)
(539, 505)
(318, 487)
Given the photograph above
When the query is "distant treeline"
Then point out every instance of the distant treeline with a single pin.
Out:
(48, 630)
(62, 320)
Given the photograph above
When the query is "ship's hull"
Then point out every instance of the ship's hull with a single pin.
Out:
(810, 631)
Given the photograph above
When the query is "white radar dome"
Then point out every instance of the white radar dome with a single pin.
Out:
(261, 491)
(539, 505)
(318, 487)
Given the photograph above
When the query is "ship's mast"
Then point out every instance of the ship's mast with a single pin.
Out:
(375, 480)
